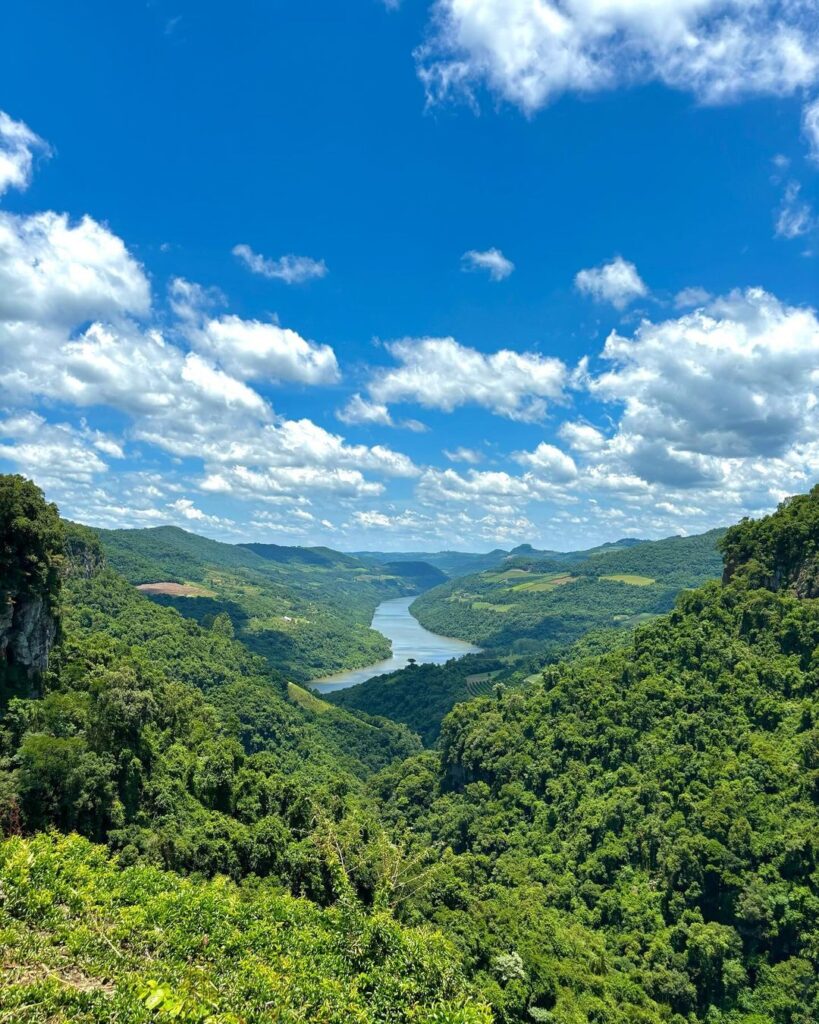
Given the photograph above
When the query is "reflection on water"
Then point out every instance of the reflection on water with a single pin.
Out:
(409, 640)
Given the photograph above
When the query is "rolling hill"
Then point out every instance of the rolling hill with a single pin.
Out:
(306, 610)
(544, 597)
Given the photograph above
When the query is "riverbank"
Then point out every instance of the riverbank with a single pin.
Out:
(409, 639)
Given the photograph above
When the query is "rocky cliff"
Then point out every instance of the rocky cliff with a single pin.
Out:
(28, 629)
(84, 556)
(32, 561)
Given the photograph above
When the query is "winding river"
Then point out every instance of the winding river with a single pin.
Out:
(409, 639)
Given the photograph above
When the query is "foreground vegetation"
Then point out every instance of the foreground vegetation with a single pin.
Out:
(85, 941)
(177, 746)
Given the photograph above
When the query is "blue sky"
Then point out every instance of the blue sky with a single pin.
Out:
(410, 275)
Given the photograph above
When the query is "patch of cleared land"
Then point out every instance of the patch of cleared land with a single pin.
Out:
(545, 583)
(507, 574)
(307, 700)
(634, 581)
(176, 589)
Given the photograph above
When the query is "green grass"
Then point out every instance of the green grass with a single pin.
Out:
(305, 699)
(543, 584)
(503, 577)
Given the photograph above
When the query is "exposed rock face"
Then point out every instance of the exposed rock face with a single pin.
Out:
(28, 630)
(807, 581)
(83, 554)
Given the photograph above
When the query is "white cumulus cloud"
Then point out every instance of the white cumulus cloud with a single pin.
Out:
(491, 260)
(53, 271)
(616, 282)
(548, 462)
(469, 455)
(440, 373)
(359, 410)
(18, 144)
(717, 393)
(265, 351)
(531, 51)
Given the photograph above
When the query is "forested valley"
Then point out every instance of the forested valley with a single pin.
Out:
(609, 816)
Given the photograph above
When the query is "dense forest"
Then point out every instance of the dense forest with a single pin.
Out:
(626, 837)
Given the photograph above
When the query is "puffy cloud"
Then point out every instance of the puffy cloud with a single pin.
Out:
(439, 373)
(374, 520)
(73, 306)
(55, 272)
(412, 525)
(795, 216)
(359, 410)
(18, 144)
(616, 282)
(137, 372)
(548, 463)
(53, 453)
(488, 489)
(266, 484)
(290, 269)
(295, 442)
(530, 51)
(189, 300)
(491, 260)
(185, 508)
(582, 437)
(285, 458)
(257, 351)
(810, 126)
(717, 419)
(733, 381)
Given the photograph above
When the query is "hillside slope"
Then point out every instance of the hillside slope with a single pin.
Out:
(635, 836)
(306, 610)
(531, 611)
(534, 598)
(176, 745)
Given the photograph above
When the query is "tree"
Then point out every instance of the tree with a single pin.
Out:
(223, 625)
(31, 540)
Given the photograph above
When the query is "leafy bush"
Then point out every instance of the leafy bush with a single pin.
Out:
(85, 941)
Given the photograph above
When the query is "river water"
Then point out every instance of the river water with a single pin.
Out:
(409, 640)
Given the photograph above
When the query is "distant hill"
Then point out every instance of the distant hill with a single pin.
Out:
(306, 556)
(624, 542)
(422, 574)
(545, 596)
(306, 610)
(534, 608)
(452, 563)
